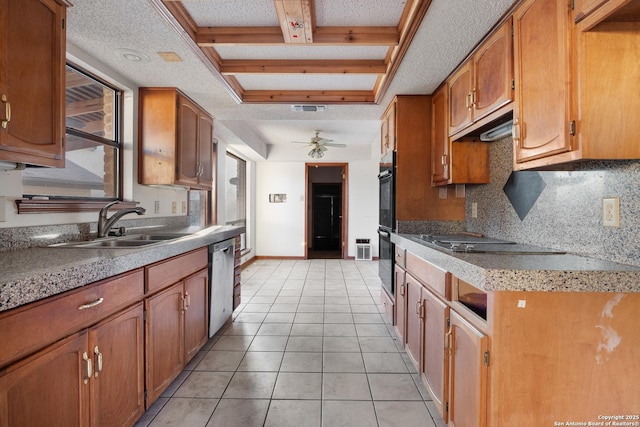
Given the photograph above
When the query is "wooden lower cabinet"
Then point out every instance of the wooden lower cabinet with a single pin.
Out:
(196, 315)
(401, 303)
(467, 405)
(414, 326)
(176, 328)
(92, 378)
(434, 369)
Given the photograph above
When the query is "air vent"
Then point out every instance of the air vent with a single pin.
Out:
(320, 108)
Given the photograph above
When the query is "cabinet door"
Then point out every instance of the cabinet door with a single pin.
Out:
(32, 61)
(467, 374)
(460, 86)
(205, 151)
(493, 73)
(164, 340)
(440, 147)
(188, 121)
(434, 368)
(401, 303)
(196, 319)
(414, 325)
(117, 387)
(542, 107)
(48, 389)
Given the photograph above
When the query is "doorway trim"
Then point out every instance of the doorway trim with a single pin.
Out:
(345, 206)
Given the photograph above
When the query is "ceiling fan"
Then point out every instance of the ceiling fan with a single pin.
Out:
(319, 145)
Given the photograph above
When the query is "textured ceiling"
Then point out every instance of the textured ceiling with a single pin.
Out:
(450, 29)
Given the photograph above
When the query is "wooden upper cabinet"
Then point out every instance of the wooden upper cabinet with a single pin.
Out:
(32, 85)
(439, 138)
(175, 140)
(483, 84)
(388, 130)
(493, 72)
(582, 8)
(465, 161)
(542, 109)
(460, 109)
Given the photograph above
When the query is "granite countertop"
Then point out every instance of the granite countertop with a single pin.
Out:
(508, 272)
(32, 274)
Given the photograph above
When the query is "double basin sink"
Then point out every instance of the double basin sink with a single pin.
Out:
(124, 242)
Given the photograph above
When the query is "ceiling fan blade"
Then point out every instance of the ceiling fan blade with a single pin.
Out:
(322, 140)
(300, 142)
(333, 144)
(322, 148)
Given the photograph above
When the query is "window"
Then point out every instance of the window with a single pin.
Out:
(93, 144)
(235, 193)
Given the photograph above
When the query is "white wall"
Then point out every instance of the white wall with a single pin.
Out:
(280, 226)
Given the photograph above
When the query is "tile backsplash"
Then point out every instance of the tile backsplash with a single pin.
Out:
(567, 214)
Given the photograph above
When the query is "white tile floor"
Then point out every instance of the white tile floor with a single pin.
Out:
(308, 347)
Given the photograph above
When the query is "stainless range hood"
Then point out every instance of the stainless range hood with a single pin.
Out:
(497, 132)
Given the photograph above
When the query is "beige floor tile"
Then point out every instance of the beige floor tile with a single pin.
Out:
(343, 362)
(298, 385)
(283, 308)
(393, 387)
(367, 330)
(293, 413)
(239, 413)
(185, 412)
(249, 317)
(307, 329)
(384, 363)
(364, 308)
(204, 384)
(279, 318)
(268, 343)
(309, 318)
(339, 330)
(338, 318)
(220, 361)
(275, 329)
(343, 386)
(175, 385)
(242, 329)
(348, 414)
(367, 318)
(256, 308)
(377, 345)
(397, 414)
(285, 298)
(304, 344)
(341, 345)
(301, 362)
(337, 308)
(261, 361)
(310, 308)
(233, 343)
(251, 385)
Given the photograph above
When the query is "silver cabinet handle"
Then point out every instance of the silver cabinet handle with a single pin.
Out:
(91, 304)
(86, 358)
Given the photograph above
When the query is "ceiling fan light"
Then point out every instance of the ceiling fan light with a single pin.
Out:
(315, 153)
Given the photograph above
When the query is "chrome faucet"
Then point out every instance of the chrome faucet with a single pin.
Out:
(105, 224)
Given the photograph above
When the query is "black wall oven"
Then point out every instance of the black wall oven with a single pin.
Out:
(387, 221)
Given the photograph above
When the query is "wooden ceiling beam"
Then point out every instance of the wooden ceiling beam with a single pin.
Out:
(308, 96)
(296, 19)
(363, 66)
(338, 36)
(95, 105)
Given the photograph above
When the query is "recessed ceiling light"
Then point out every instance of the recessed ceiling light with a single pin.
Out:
(132, 55)
(170, 56)
(309, 108)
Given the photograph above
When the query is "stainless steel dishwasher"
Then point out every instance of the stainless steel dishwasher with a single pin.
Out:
(221, 259)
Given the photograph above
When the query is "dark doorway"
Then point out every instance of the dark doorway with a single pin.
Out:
(326, 206)
(327, 217)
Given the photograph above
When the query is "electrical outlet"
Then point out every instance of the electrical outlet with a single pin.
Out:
(156, 206)
(184, 206)
(474, 210)
(174, 207)
(611, 212)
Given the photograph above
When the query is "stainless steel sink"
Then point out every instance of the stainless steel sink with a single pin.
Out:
(124, 242)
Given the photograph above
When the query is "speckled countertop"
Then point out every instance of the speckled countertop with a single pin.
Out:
(32, 274)
(501, 272)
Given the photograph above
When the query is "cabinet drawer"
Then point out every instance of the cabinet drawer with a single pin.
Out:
(438, 280)
(165, 273)
(36, 325)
